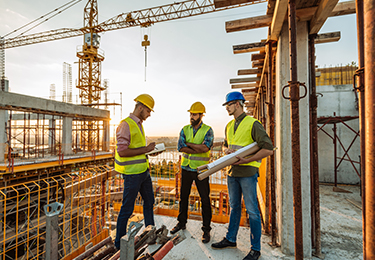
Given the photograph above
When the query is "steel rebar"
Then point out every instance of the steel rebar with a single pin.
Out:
(295, 132)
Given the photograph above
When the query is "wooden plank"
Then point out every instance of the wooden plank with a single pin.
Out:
(321, 15)
(249, 90)
(249, 47)
(248, 23)
(248, 71)
(257, 56)
(243, 80)
(258, 64)
(249, 85)
(344, 8)
(271, 6)
(327, 37)
(225, 3)
(303, 14)
(281, 9)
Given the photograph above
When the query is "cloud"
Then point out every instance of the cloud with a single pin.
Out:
(15, 13)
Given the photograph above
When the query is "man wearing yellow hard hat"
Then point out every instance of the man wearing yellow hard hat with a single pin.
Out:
(195, 143)
(132, 163)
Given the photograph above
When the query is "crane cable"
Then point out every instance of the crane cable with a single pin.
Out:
(71, 3)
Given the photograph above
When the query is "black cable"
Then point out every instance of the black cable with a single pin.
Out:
(76, 2)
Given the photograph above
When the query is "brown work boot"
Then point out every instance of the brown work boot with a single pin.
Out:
(177, 228)
(206, 237)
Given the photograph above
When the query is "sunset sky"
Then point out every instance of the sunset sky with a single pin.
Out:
(189, 59)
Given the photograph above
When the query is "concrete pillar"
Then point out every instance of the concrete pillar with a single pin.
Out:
(284, 184)
(67, 129)
(52, 134)
(3, 120)
(3, 135)
(106, 135)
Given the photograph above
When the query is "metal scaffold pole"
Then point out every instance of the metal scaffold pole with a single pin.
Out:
(369, 32)
(52, 230)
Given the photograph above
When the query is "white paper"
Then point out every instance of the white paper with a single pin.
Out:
(158, 148)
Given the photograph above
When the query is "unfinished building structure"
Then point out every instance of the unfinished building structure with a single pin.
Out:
(281, 97)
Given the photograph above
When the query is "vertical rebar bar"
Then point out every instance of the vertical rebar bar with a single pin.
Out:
(271, 116)
(296, 157)
(369, 33)
(335, 149)
(361, 110)
(315, 200)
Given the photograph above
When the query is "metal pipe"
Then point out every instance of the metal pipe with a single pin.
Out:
(271, 116)
(315, 199)
(296, 156)
(369, 32)
(267, 228)
(335, 150)
(361, 110)
(93, 249)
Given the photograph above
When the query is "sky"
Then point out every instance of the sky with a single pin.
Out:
(189, 59)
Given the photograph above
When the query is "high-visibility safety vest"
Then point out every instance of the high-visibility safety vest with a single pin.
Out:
(196, 159)
(242, 137)
(135, 164)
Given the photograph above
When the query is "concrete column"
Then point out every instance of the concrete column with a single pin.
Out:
(3, 121)
(52, 133)
(3, 135)
(67, 129)
(284, 184)
(106, 134)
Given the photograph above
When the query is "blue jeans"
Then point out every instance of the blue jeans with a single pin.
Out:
(246, 186)
(132, 185)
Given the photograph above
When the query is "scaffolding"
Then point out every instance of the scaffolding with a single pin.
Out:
(339, 75)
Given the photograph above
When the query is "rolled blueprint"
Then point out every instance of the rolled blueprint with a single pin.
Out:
(208, 169)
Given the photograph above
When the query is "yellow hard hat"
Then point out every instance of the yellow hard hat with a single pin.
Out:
(197, 108)
(146, 100)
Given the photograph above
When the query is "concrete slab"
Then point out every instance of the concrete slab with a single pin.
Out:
(341, 221)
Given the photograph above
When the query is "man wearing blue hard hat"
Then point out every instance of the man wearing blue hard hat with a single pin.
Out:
(242, 178)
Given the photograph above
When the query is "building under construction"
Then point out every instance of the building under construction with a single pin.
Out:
(59, 194)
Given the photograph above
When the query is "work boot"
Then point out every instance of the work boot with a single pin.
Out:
(223, 244)
(253, 255)
(206, 237)
(177, 228)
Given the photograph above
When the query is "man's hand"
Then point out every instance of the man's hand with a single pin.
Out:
(155, 154)
(150, 147)
(229, 151)
(241, 160)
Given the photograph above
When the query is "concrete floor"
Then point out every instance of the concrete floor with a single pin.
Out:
(341, 221)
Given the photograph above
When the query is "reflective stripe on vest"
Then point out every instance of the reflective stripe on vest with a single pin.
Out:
(197, 159)
(242, 137)
(134, 164)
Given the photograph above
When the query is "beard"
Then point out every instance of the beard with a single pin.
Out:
(195, 122)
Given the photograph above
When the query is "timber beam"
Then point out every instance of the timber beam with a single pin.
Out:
(258, 56)
(249, 85)
(243, 80)
(321, 15)
(249, 71)
(327, 37)
(304, 14)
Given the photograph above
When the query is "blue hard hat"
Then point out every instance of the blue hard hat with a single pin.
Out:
(231, 96)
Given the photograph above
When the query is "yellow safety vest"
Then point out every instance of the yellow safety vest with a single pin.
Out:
(135, 164)
(196, 159)
(242, 137)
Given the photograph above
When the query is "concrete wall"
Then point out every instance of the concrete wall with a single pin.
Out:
(339, 99)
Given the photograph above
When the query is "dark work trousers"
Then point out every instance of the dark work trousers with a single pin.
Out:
(187, 178)
(133, 184)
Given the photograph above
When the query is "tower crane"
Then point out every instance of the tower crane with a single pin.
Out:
(89, 54)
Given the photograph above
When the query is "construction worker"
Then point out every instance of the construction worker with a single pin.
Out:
(243, 176)
(132, 163)
(195, 143)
